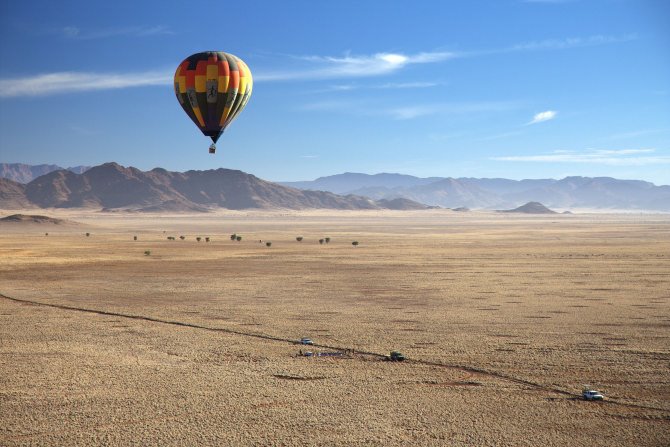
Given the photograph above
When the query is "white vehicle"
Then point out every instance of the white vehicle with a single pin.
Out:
(589, 394)
(306, 341)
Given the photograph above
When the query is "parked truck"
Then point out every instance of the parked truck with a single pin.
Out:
(591, 394)
(395, 357)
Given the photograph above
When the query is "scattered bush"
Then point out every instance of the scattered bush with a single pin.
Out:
(134, 238)
(233, 237)
(354, 243)
(198, 238)
(46, 234)
(299, 239)
(182, 237)
(320, 241)
(327, 240)
(88, 234)
(238, 238)
(206, 239)
(147, 252)
(268, 244)
(171, 238)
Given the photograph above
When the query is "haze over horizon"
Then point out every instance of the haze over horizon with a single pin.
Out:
(512, 89)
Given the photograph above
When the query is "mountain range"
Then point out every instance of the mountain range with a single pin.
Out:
(23, 173)
(603, 193)
(111, 186)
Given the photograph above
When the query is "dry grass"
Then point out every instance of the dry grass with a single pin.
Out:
(504, 317)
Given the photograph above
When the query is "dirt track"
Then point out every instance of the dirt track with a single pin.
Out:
(504, 318)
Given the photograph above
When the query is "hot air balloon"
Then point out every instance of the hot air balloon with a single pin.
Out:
(213, 87)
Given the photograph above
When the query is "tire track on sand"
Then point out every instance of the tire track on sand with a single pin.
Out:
(466, 368)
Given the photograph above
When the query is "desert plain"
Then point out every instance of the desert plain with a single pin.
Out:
(503, 319)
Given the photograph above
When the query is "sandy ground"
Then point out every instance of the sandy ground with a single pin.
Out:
(503, 319)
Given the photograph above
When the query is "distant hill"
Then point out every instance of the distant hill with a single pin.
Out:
(111, 186)
(603, 193)
(531, 208)
(12, 195)
(23, 173)
(35, 219)
(349, 182)
(401, 204)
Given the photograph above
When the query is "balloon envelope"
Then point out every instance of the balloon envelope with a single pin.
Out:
(213, 87)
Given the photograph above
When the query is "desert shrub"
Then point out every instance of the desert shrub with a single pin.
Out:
(88, 234)
(233, 237)
(238, 238)
(327, 240)
(182, 237)
(320, 241)
(299, 239)
(198, 238)
(268, 244)
(147, 252)
(206, 239)
(354, 243)
(46, 234)
(134, 238)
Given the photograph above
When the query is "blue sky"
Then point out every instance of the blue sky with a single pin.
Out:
(504, 88)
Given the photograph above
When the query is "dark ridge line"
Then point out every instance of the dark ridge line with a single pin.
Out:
(465, 368)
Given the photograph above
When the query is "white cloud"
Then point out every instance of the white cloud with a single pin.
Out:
(501, 135)
(548, 1)
(616, 157)
(410, 111)
(395, 85)
(407, 113)
(73, 32)
(543, 116)
(635, 134)
(572, 42)
(327, 67)
(82, 130)
(456, 108)
(334, 105)
(388, 85)
(68, 82)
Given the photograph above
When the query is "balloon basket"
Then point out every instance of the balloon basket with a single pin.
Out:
(212, 149)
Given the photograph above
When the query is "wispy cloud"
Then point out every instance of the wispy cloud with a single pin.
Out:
(571, 42)
(501, 136)
(68, 82)
(73, 32)
(410, 111)
(548, 1)
(616, 157)
(635, 134)
(396, 85)
(82, 130)
(349, 66)
(543, 116)
(308, 68)
(388, 85)
(453, 108)
(327, 67)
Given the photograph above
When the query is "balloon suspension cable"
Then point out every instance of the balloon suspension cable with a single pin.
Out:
(212, 148)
